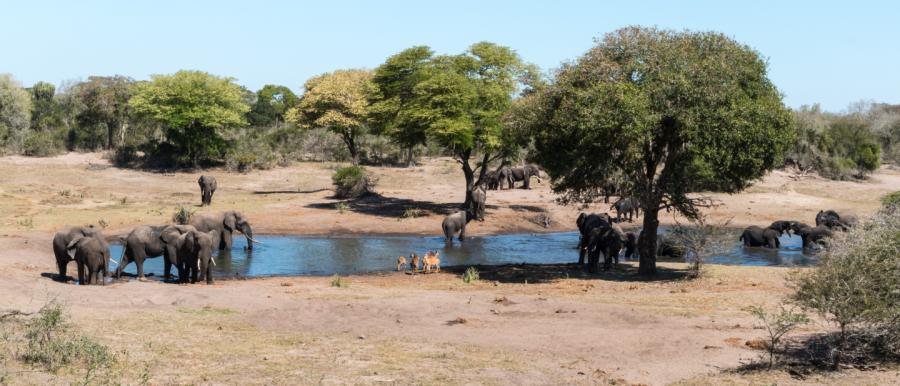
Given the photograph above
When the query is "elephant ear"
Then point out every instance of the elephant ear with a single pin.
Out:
(74, 243)
(170, 235)
(230, 220)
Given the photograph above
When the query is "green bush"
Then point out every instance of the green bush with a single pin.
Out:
(182, 215)
(891, 200)
(50, 344)
(471, 275)
(42, 144)
(351, 182)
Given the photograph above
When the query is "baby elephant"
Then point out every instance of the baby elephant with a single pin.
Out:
(207, 188)
(91, 254)
(431, 262)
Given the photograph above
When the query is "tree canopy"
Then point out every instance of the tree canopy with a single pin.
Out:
(103, 101)
(15, 111)
(658, 114)
(272, 103)
(194, 107)
(336, 101)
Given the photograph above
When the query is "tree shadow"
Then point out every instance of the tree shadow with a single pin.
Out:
(290, 191)
(545, 273)
(527, 208)
(374, 204)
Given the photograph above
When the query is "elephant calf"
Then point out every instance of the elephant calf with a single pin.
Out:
(811, 235)
(91, 253)
(207, 188)
(754, 236)
(61, 241)
(456, 223)
(479, 196)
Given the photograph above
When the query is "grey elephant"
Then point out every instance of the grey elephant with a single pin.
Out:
(833, 220)
(666, 245)
(811, 235)
(585, 223)
(207, 188)
(225, 224)
(193, 252)
(91, 253)
(61, 241)
(628, 207)
(492, 180)
(143, 242)
(754, 236)
(608, 239)
(479, 196)
(456, 222)
(523, 174)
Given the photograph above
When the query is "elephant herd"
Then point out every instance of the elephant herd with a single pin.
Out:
(827, 221)
(188, 247)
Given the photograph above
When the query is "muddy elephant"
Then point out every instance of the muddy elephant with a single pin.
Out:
(91, 253)
(811, 235)
(479, 196)
(193, 253)
(585, 223)
(608, 239)
(523, 174)
(225, 224)
(61, 242)
(207, 188)
(754, 236)
(456, 222)
(626, 208)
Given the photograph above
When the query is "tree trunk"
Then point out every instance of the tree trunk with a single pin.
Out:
(647, 243)
(470, 179)
(410, 157)
(351, 146)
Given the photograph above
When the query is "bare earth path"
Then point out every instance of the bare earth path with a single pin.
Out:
(519, 325)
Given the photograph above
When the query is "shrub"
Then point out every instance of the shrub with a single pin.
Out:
(41, 144)
(891, 200)
(125, 156)
(412, 213)
(855, 285)
(470, 276)
(777, 324)
(338, 281)
(341, 207)
(250, 154)
(351, 182)
(182, 215)
(698, 241)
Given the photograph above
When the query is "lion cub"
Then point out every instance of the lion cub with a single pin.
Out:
(401, 261)
(431, 262)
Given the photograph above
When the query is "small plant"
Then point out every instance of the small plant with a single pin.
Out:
(777, 324)
(339, 282)
(123, 200)
(103, 223)
(470, 276)
(891, 200)
(27, 222)
(412, 213)
(352, 182)
(182, 215)
(342, 207)
(65, 193)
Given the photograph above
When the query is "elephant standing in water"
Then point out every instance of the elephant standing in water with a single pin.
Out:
(91, 253)
(193, 251)
(833, 220)
(207, 188)
(608, 239)
(587, 222)
(811, 235)
(150, 241)
(225, 224)
(456, 223)
(61, 242)
(754, 236)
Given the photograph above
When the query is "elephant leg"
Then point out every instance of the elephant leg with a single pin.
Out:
(80, 272)
(226, 240)
(194, 273)
(62, 265)
(167, 268)
(594, 261)
(208, 273)
(139, 262)
(581, 251)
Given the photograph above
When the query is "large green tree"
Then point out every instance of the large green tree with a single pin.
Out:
(103, 102)
(272, 102)
(659, 114)
(336, 101)
(391, 109)
(15, 111)
(462, 99)
(46, 113)
(195, 107)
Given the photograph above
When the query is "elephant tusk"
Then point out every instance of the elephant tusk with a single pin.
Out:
(113, 260)
(213, 260)
(251, 239)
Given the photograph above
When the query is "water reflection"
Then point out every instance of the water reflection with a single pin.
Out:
(299, 255)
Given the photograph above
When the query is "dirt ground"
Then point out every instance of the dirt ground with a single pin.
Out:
(518, 325)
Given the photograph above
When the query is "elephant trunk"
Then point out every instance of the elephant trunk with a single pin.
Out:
(248, 233)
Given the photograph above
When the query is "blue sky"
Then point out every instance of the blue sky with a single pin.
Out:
(833, 53)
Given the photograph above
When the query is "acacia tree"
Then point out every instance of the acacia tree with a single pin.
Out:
(336, 101)
(272, 102)
(462, 100)
(195, 107)
(391, 109)
(103, 100)
(658, 114)
(15, 111)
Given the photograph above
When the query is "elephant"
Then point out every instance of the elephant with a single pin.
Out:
(586, 222)
(224, 223)
(207, 188)
(666, 246)
(456, 222)
(91, 253)
(479, 196)
(782, 226)
(811, 235)
(627, 206)
(630, 244)
(193, 251)
(523, 174)
(61, 242)
(608, 239)
(492, 180)
(826, 215)
(144, 242)
(833, 220)
(754, 236)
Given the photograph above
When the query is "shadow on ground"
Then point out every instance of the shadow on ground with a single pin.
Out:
(545, 273)
(374, 204)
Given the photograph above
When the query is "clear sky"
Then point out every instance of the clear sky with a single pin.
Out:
(833, 53)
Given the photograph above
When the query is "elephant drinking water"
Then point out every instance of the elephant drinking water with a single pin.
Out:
(225, 224)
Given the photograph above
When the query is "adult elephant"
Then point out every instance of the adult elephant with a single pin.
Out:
(225, 224)
(207, 188)
(524, 174)
(91, 253)
(479, 197)
(587, 222)
(492, 180)
(835, 221)
(456, 222)
(61, 241)
(193, 252)
(627, 206)
(142, 243)
(811, 235)
(754, 236)
(608, 239)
